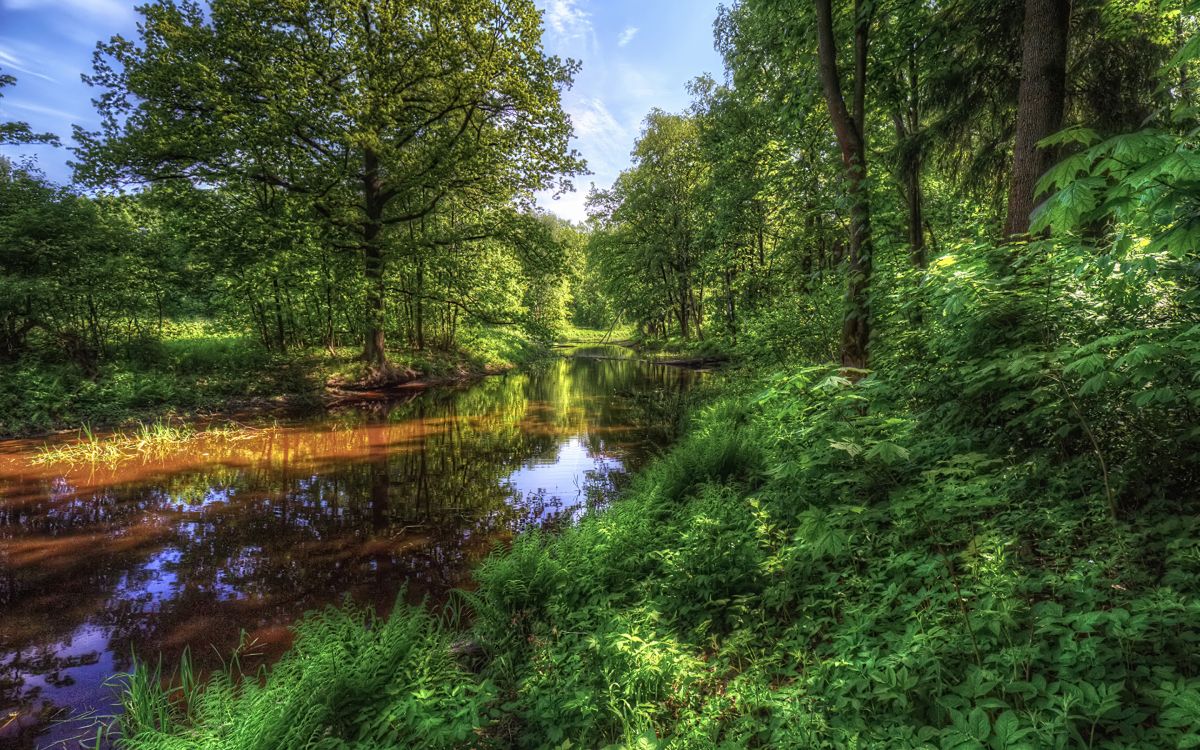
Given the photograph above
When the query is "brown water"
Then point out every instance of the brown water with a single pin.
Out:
(195, 548)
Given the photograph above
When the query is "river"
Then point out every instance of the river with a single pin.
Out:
(230, 539)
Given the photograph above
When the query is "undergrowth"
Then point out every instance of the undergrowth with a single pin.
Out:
(193, 370)
(989, 542)
(349, 679)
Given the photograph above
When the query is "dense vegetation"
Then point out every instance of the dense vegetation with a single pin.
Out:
(224, 242)
(948, 495)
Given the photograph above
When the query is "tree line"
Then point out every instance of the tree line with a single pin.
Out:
(847, 135)
(311, 173)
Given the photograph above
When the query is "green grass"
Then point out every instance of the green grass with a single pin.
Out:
(574, 335)
(675, 347)
(192, 373)
(157, 438)
(819, 564)
(197, 370)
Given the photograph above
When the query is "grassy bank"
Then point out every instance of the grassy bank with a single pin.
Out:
(679, 349)
(616, 334)
(194, 370)
(912, 560)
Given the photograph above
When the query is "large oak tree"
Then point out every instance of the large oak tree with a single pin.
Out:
(378, 112)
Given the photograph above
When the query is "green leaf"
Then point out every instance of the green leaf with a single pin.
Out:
(1073, 134)
(1063, 173)
(1066, 208)
(981, 726)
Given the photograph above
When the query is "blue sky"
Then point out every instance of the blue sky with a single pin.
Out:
(636, 54)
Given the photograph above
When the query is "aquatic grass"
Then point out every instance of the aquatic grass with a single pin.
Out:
(88, 448)
(148, 439)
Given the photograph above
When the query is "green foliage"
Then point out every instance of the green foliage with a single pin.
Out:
(351, 681)
(989, 540)
(979, 544)
(16, 132)
(714, 566)
(648, 247)
(191, 369)
(58, 254)
(411, 134)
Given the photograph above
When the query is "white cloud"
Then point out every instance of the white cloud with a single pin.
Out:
(642, 86)
(591, 117)
(567, 19)
(39, 109)
(627, 36)
(604, 141)
(571, 206)
(112, 9)
(12, 61)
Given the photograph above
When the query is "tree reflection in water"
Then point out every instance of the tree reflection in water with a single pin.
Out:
(191, 550)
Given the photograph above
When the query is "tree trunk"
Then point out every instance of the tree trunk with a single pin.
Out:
(916, 220)
(280, 336)
(683, 307)
(908, 124)
(419, 320)
(329, 338)
(1039, 104)
(374, 351)
(856, 326)
(730, 308)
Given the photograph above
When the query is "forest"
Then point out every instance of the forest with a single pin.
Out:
(942, 492)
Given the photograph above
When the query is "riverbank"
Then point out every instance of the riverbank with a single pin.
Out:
(674, 351)
(200, 533)
(218, 375)
(820, 563)
(684, 352)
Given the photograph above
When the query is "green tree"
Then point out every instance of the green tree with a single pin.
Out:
(15, 132)
(58, 256)
(377, 113)
(656, 218)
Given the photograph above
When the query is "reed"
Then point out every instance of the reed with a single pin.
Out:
(147, 439)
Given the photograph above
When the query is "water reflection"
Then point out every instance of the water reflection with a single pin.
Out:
(191, 550)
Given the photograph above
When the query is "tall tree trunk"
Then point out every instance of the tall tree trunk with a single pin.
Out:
(730, 307)
(916, 220)
(280, 336)
(908, 124)
(856, 326)
(374, 351)
(419, 320)
(1039, 104)
(329, 338)
(683, 306)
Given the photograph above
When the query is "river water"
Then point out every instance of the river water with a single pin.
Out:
(233, 539)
